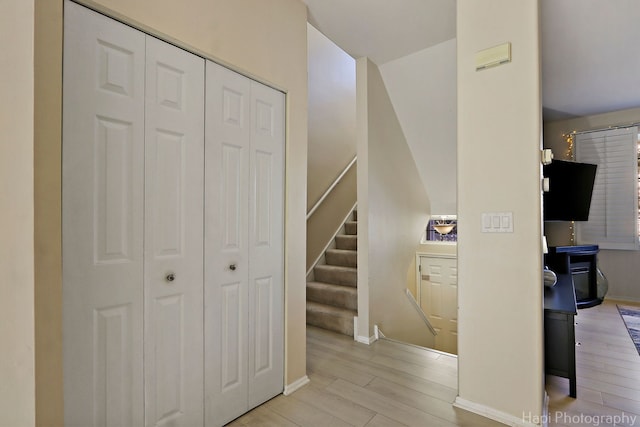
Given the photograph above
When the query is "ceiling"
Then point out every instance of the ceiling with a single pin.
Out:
(590, 48)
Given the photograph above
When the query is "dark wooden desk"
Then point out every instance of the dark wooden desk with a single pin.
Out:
(559, 330)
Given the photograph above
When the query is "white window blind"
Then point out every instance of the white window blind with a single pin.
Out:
(613, 217)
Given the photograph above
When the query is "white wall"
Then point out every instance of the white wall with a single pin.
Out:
(392, 211)
(422, 88)
(332, 113)
(17, 357)
(500, 274)
(622, 268)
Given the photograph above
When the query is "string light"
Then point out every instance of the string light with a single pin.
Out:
(568, 138)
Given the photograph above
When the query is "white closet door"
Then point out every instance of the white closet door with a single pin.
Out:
(266, 234)
(228, 135)
(174, 208)
(102, 220)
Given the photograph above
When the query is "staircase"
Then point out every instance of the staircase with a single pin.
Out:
(332, 294)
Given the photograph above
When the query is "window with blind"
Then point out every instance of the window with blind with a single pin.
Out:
(613, 217)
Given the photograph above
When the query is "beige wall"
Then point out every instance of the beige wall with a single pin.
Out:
(265, 40)
(422, 88)
(332, 113)
(500, 274)
(48, 198)
(329, 216)
(17, 365)
(332, 139)
(393, 217)
(621, 268)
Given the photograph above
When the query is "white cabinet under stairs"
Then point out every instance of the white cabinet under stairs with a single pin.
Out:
(332, 295)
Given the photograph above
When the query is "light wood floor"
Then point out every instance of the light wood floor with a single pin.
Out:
(608, 372)
(384, 384)
(390, 384)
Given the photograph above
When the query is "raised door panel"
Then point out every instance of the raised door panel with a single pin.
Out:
(450, 307)
(266, 236)
(228, 136)
(174, 209)
(102, 220)
(439, 300)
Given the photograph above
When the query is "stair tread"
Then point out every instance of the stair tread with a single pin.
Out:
(342, 251)
(337, 268)
(341, 257)
(341, 296)
(342, 288)
(330, 310)
(351, 228)
(347, 236)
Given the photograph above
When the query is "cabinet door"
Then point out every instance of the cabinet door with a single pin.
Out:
(439, 300)
(102, 220)
(174, 209)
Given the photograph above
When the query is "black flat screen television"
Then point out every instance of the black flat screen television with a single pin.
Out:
(570, 190)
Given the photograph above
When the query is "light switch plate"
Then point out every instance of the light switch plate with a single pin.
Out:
(497, 222)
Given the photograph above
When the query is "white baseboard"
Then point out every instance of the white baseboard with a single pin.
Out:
(496, 415)
(360, 338)
(365, 340)
(299, 383)
(545, 410)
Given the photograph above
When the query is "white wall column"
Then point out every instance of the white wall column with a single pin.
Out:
(500, 274)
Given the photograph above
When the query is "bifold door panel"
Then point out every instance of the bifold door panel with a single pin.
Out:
(173, 239)
(102, 227)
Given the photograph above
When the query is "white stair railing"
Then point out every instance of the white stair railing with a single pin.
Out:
(420, 312)
(331, 187)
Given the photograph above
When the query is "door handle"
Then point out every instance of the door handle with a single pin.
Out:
(232, 267)
(170, 277)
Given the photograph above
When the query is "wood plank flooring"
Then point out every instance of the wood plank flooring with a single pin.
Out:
(384, 384)
(608, 373)
(391, 384)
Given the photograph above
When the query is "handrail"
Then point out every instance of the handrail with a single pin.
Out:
(420, 312)
(331, 187)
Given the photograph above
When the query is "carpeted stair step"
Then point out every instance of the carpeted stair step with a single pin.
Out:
(347, 276)
(351, 227)
(334, 295)
(355, 215)
(331, 318)
(344, 241)
(343, 257)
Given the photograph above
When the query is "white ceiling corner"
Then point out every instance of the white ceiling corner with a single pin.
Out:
(384, 30)
(589, 54)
